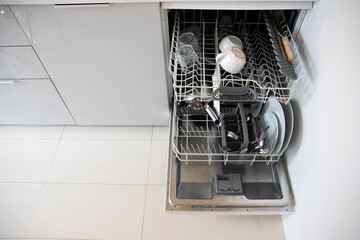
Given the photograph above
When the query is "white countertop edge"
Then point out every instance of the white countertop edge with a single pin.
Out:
(39, 2)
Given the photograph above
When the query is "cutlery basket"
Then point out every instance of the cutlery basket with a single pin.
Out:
(243, 124)
(234, 124)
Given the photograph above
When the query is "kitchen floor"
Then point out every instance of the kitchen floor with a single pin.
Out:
(75, 182)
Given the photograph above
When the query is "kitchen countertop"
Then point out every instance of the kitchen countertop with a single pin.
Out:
(27, 2)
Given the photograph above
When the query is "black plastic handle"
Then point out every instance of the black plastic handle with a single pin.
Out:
(235, 94)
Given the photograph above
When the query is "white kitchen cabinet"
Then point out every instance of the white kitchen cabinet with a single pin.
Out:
(20, 63)
(31, 102)
(107, 62)
(11, 33)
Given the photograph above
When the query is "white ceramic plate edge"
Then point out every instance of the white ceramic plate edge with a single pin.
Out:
(274, 106)
(289, 119)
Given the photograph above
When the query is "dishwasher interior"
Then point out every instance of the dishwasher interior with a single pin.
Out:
(228, 134)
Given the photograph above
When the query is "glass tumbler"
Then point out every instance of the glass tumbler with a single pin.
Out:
(186, 56)
(188, 38)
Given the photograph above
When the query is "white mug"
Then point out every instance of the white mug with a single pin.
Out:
(229, 42)
(232, 61)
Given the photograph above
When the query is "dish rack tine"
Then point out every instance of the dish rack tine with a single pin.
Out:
(202, 130)
(226, 158)
(182, 130)
(199, 131)
(193, 131)
(254, 158)
(192, 148)
(214, 148)
(183, 149)
(204, 148)
(268, 162)
(197, 145)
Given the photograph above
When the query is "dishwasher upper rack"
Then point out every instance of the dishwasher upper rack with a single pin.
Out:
(196, 81)
(261, 72)
(197, 139)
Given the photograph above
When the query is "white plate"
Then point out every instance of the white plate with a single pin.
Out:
(273, 106)
(289, 119)
(272, 133)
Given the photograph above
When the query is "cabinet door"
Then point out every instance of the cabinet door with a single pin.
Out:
(20, 63)
(11, 33)
(31, 102)
(107, 62)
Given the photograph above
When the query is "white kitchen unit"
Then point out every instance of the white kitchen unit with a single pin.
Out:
(27, 94)
(106, 61)
(11, 33)
(34, 101)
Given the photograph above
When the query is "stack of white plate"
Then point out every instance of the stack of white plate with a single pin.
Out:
(280, 119)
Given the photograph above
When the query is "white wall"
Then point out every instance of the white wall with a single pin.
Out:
(322, 160)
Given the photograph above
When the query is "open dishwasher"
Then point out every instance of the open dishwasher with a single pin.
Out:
(229, 130)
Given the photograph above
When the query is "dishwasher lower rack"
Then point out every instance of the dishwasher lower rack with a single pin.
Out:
(195, 138)
(262, 71)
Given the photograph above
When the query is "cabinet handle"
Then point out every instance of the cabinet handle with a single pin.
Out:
(81, 5)
(7, 81)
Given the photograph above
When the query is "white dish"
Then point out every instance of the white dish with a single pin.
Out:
(289, 119)
(232, 61)
(229, 42)
(273, 106)
(272, 133)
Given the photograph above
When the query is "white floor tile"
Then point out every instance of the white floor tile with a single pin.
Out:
(30, 132)
(107, 132)
(101, 161)
(25, 160)
(271, 228)
(17, 204)
(158, 162)
(158, 225)
(161, 133)
(81, 211)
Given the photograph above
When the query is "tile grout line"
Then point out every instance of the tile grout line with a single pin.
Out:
(43, 185)
(146, 187)
(84, 183)
(53, 158)
(32, 139)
